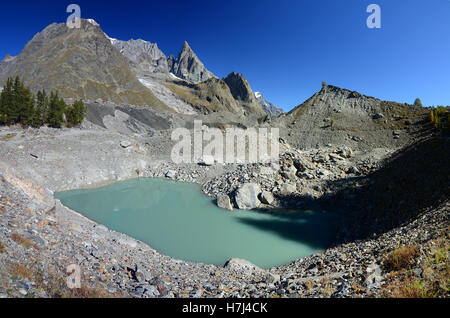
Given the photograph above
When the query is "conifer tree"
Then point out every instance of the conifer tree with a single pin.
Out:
(418, 102)
(16, 103)
(76, 113)
(41, 109)
(56, 110)
(6, 102)
(24, 103)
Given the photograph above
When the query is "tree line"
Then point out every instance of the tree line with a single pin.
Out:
(18, 105)
(440, 117)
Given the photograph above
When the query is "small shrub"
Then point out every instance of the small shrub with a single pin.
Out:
(401, 258)
(414, 289)
(2, 248)
(20, 271)
(22, 240)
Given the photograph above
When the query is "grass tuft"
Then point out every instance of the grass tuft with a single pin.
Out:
(401, 258)
(22, 240)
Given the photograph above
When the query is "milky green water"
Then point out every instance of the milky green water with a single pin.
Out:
(179, 221)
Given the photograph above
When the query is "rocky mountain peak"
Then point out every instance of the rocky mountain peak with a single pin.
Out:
(189, 67)
(240, 88)
(269, 108)
(81, 63)
(242, 92)
(186, 47)
(145, 58)
(8, 58)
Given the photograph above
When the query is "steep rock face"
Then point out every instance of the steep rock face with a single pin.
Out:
(242, 92)
(170, 62)
(189, 67)
(240, 88)
(145, 58)
(214, 95)
(80, 63)
(269, 108)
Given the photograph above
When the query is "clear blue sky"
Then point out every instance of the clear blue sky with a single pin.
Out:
(285, 48)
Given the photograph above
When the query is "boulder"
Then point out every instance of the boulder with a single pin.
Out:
(125, 144)
(170, 174)
(303, 165)
(323, 172)
(345, 152)
(335, 157)
(224, 202)
(287, 189)
(378, 116)
(207, 161)
(353, 170)
(247, 196)
(320, 158)
(242, 265)
(272, 278)
(289, 173)
(267, 197)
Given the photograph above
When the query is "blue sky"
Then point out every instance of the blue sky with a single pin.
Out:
(285, 48)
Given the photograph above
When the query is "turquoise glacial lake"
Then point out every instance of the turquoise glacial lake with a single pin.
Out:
(178, 220)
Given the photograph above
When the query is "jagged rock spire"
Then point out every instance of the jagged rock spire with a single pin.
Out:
(189, 67)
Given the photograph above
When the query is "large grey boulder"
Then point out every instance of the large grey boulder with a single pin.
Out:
(247, 196)
(224, 202)
(289, 173)
(242, 265)
(267, 197)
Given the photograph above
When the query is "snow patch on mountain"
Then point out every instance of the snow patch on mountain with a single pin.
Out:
(269, 108)
(93, 22)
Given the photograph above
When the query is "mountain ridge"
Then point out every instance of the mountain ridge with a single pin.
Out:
(79, 63)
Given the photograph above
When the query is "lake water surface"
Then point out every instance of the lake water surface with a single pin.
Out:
(178, 220)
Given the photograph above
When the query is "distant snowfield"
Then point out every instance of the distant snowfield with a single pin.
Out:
(93, 22)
